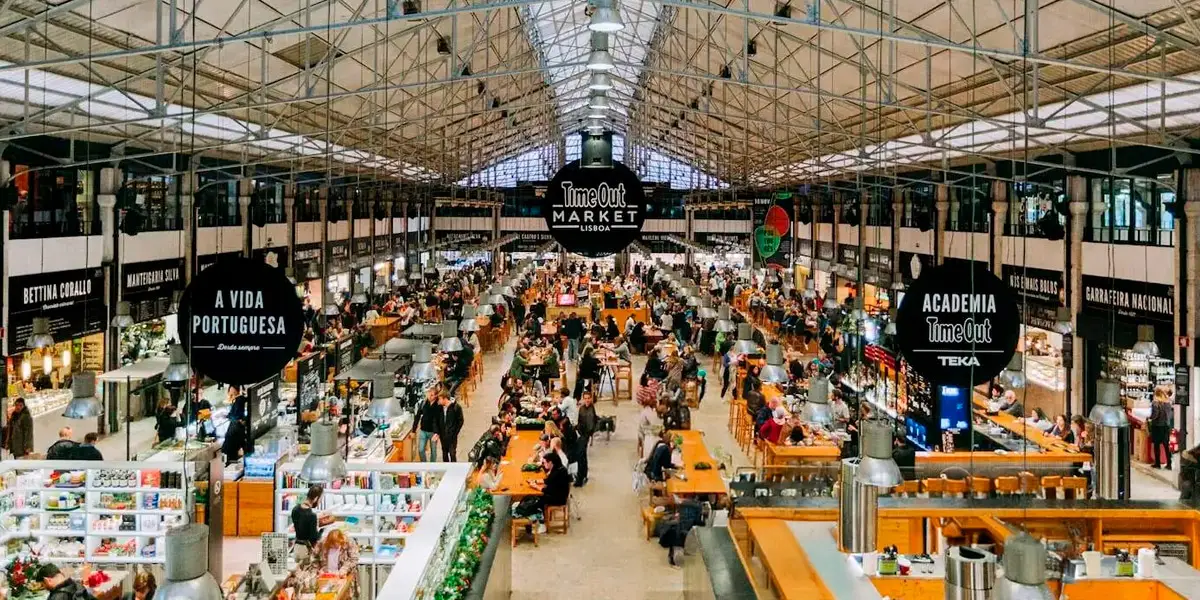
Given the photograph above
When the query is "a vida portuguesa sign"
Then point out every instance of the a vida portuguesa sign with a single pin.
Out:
(958, 324)
(240, 321)
(594, 211)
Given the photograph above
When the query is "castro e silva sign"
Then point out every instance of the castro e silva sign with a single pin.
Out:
(594, 211)
(958, 324)
(240, 321)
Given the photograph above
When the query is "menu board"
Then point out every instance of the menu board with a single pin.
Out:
(264, 403)
(308, 382)
(345, 354)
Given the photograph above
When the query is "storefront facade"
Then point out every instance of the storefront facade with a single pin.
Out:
(1040, 293)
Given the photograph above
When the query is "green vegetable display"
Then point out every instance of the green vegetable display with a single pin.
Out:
(469, 550)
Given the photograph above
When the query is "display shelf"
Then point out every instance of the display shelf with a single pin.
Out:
(391, 525)
(74, 510)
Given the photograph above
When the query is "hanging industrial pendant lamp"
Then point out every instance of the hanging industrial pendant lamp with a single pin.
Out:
(383, 406)
(724, 324)
(600, 82)
(469, 324)
(600, 59)
(745, 342)
(422, 369)
(1024, 570)
(877, 467)
(817, 410)
(706, 311)
(831, 302)
(83, 404)
(1013, 376)
(187, 578)
(598, 101)
(177, 370)
(123, 318)
(324, 464)
(1062, 321)
(450, 341)
(1145, 341)
(605, 17)
(40, 337)
(314, 272)
(774, 372)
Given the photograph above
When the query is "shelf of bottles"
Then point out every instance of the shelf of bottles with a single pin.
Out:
(921, 427)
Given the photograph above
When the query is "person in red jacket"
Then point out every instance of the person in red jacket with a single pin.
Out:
(771, 429)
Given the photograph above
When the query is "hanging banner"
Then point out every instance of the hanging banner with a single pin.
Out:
(147, 287)
(594, 211)
(362, 252)
(73, 301)
(958, 324)
(308, 261)
(337, 256)
(772, 233)
(240, 321)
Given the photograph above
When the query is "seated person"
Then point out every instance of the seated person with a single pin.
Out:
(772, 428)
(793, 433)
(660, 458)
(556, 487)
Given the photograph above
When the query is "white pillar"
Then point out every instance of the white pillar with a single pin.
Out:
(110, 182)
(943, 214)
(245, 195)
(899, 194)
(1078, 206)
(1187, 355)
(289, 215)
(187, 204)
(999, 220)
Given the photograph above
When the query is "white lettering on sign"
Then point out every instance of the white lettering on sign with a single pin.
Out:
(969, 331)
(1036, 285)
(959, 303)
(1130, 300)
(148, 278)
(239, 324)
(54, 292)
(601, 196)
(959, 361)
(597, 209)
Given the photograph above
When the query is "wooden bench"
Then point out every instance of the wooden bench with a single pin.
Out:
(519, 527)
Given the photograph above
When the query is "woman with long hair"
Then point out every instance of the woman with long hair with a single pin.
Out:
(336, 554)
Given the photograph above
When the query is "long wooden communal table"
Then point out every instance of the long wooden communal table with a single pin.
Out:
(700, 482)
(513, 481)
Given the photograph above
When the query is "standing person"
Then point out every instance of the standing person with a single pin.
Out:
(64, 447)
(573, 329)
(428, 424)
(239, 413)
(304, 521)
(589, 371)
(20, 430)
(1161, 416)
(452, 424)
(166, 423)
(585, 427)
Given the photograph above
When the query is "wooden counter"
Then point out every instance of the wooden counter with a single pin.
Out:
(621, 314)
(699, 482)
(1015, 458)
(256, 507)
(789, 573)
(1019, 427)
(513, 481)
(404, 449)
(927, 588)
(384, 329)
(780, 455)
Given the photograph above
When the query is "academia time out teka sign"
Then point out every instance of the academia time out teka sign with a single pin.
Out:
(594, 211)
(240, 321)
(958, 324)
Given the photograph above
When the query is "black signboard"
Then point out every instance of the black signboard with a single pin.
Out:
(804, 247)
(1183, 382)
(594, 211)
(308, 256)
(345, 354)
(660, 243)
(309, 375)
(264, 405)
(825, 251)
(958, 325)
(148, 286)
(879, 262)
(337, 256)
(362, 252)
(772, 232)
(208, 260)
(912, 265)
(848, 255)
(462, 240)
(397, 244)
(527, 242)
(1041, 286)
(240, 321)
(73, 301)
(275, 256)
(383, 247)
(1133, 299)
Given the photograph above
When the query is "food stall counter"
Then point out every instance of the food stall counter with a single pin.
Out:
(1020, 428)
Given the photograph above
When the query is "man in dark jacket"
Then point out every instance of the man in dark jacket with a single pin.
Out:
(19, 435)
(452, 424)
(62, 587)
(428, 424)
(588, 421)
(462, 368)
(88, 450)
(573, 329)
(64, 448)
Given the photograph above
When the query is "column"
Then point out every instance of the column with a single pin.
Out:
(1191, 250)
(689, 234)
(942, 216)
(899, 197)
(1078, 206)
(187, 203)
(110, 183)
(289, 214)
(404, 243)
(245, 195)
(999, 221)
(323, 211)
(497, 254)
(388, 204)
(864, 203)
(355, 285)
(374, 259)
(432, 232)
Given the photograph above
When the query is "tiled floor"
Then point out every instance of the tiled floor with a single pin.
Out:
(605, 554)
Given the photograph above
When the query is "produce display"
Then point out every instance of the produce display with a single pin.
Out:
(469, 551)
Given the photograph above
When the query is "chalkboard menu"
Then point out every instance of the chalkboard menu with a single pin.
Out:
(264, 403)
(345, 354)
(308, 382)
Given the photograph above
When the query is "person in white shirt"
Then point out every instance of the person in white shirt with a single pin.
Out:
(568, 406)
(629, 323)
(370, 316)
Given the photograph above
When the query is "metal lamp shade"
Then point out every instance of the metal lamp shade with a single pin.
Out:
(383, 406)
(1146, 344)
(1024, 570)
(774, 372)
(877, 467)
(324, 464)
(422, 368)
(469, 324)
(745, 342)
(314, 272)
(187, 577)
(485, 310)
(706, 309)
(332, 310)
(83, 404)
(1108, 410)
(606, 18)
(496, 297)
(415, 276)
(450, 341)
(40, 337)
(600, 82)
(359, 297)
(817, 410)
(1062, 320)
(600, 60)
(178, 370)
(831, 302)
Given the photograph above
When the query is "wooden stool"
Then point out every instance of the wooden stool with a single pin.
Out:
(1006, 486)
(1074, 488)
(909, 488)
(956, 488)
(518, 528)
(932, 486)
(558, 517)
(981, 487)
(691, 394)
(650, 519)
(1050, 485)
(623, 384)
(1030, 485)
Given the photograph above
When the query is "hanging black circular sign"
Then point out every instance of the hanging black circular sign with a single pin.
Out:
(958, 324)
(240, 321)
(594, 211)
